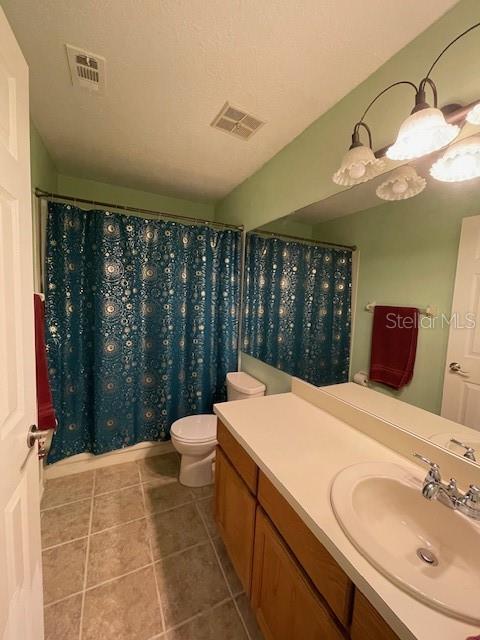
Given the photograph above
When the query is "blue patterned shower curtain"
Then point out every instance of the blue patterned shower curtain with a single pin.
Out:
(297, 312)
(142, 324)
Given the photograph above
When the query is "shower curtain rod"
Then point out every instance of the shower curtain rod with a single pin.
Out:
(39, 193)
(283, 236)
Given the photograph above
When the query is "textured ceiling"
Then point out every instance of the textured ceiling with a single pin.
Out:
(171, 64)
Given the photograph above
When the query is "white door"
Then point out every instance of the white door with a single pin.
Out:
(21, 614)
(461, 387)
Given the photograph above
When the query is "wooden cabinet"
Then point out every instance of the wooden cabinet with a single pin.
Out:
(285, 605)
(367, 622)
(297, 590)
(244, 465)
(235, 516)
(323, 571)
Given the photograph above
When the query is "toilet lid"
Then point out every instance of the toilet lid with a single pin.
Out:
(201, 428)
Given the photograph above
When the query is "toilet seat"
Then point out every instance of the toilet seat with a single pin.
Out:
(199, 429)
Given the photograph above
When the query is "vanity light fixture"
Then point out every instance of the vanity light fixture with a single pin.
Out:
(460, 162)
(359, 164)
(473, 116)
(402, 184)
(424, 131)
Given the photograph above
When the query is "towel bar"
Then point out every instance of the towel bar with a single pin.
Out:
(429, 311)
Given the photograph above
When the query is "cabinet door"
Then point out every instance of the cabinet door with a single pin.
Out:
(286, 606)
(235, 516)
(367, 622)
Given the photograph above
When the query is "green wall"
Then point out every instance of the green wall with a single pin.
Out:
(301, 173)
(408, 255)
(101, 191)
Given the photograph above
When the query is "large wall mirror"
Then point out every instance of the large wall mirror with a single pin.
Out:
(309, 295)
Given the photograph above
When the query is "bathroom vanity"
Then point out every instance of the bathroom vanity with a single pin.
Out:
(276, 460)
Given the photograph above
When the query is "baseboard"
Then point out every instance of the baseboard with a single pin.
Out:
(88, 461)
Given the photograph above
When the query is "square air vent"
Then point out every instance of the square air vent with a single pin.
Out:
(87, 70)
(236, 122)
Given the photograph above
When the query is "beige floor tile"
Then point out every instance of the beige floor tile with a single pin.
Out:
(115, 508)
(62, 620)
(175, 530)
(220, 623)
(63, 570)
(190, 583)
(203, 492)
(124, 609)
(160, 497)
(116, 477)
(232, 578)
(160, 468)
(65, 523)
(67, 489)
(117, 551)
(248, 617)
(207, 510)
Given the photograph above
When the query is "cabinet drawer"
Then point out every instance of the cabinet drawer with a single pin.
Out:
(235, 516)
(367, 622)
(240, 459)
(318, 564)
(285, 605)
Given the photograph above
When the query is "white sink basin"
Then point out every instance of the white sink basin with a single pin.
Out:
(381, 509)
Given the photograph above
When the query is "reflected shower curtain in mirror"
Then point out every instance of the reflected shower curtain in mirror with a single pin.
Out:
(297, 312)
(142, 324)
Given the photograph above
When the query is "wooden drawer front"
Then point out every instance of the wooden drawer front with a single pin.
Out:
(367, 622)
(235, 515)
(318, 564)
(240, 459)
(285, 605)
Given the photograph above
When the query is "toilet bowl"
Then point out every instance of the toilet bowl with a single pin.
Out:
(195, 437)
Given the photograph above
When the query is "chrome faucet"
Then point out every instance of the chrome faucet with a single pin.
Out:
(448, 493)
(469, 451)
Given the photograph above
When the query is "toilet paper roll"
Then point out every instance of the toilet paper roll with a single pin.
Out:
(361, 378)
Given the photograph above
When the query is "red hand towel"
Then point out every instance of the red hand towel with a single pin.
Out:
(394, 345)
(45, 410)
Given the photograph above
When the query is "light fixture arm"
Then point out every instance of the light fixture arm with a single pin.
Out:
(420, 98)
(395, 84)
(355, 135)
(460, 35)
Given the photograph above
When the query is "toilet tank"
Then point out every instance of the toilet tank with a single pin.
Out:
(241, 386)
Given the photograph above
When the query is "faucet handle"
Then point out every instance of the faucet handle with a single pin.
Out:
(473, 495)
(434, 472)
(469, 451)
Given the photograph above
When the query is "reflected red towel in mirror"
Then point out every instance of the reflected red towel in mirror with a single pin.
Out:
(394, 345)
(46, 412)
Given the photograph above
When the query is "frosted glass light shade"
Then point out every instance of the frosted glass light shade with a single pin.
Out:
(359, 164)
(421, 133)
(403, 183)
(460, 162)
(473, 116)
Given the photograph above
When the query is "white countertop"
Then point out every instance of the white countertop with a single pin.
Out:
(301, 448)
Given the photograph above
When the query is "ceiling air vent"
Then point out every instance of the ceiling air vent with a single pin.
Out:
(86, 69)
(236, 122)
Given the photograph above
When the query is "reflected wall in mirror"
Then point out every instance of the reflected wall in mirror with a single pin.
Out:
(419, 252)
(297, 311)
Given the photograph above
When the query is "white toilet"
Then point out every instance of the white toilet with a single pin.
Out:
(195, 437)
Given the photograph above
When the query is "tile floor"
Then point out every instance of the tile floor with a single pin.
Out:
(130, 554)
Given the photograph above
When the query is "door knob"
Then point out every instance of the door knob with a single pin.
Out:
(34, 434)
(455, 367)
